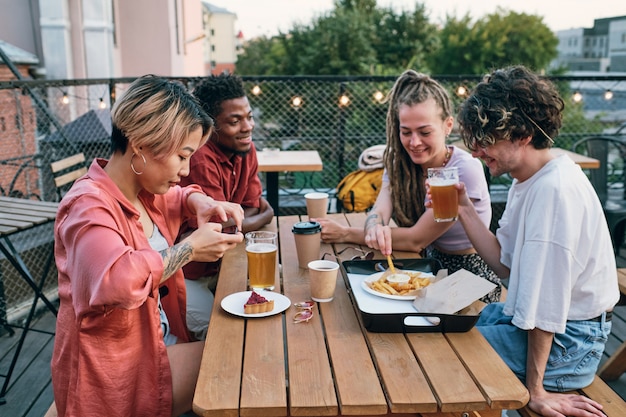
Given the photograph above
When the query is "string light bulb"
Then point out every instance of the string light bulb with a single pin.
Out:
(379, 96)
(577, 97)
(461, 91)
(65, 99)
(296, 101)
(256, 90)
(102, 104)
(344, 100)
(608, 95)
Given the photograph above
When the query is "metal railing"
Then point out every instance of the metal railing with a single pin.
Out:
(42, 121)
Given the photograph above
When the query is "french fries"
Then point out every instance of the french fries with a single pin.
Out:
(415, 282)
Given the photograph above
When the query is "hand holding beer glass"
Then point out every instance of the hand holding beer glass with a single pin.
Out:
(261, 248)
(445, 198)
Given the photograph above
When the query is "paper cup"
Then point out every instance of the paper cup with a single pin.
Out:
(323, 280)
(316, 205)
(308, 241)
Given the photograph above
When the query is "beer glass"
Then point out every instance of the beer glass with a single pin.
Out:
(445, 198)
(261, 248)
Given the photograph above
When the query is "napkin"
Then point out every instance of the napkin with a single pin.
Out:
(449, 294)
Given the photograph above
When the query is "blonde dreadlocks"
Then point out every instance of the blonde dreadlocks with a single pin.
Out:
(407, 187)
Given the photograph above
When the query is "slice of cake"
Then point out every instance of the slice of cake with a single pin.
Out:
(257, 304)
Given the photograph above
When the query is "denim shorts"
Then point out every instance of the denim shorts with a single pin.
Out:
(574, 356)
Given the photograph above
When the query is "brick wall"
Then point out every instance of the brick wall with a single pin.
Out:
(17, 139)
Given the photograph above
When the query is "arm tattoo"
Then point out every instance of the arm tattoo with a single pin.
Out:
(175, 257)
(371, 220)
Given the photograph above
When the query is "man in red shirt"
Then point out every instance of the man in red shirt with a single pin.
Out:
(227, 169)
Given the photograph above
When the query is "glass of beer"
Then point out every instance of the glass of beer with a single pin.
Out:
(445, 198)
(262, 249)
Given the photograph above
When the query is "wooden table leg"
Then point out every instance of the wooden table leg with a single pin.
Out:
(272, 190)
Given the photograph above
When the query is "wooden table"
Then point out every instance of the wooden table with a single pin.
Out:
(332, 366)
(19, 215)
(272, 163)
(584, 161)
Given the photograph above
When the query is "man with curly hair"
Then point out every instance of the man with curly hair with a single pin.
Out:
(553, 243)
(227, 169)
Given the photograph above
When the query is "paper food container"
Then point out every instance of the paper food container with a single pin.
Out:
(448, 304)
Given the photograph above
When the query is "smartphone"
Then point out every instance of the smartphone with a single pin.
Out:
(231, 230)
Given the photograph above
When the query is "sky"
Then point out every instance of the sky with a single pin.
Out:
(267, 17)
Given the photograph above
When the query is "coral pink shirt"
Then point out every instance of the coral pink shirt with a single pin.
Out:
(109, 357)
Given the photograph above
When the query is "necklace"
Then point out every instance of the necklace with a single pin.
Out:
(447, 158)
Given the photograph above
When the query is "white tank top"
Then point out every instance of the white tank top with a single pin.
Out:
(157, 242)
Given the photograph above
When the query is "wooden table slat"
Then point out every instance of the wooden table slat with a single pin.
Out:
(356, 379)
(486, 367)
(453, 385)
(406, 385)
(220, 374)
(311, 389)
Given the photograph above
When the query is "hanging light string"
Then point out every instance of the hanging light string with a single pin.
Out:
(65, 99)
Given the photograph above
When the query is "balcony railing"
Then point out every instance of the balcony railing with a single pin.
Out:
(42, 121)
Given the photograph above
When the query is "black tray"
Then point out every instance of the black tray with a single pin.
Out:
(382, 315)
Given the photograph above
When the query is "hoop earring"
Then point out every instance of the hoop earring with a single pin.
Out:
(133, 166)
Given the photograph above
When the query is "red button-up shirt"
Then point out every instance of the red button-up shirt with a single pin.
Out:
(225, 179)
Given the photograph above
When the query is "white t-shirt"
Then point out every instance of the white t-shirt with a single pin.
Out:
(555, 240)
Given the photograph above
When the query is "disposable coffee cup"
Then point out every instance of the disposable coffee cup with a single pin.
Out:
(323, 280)
(316, 205)
(308, 238)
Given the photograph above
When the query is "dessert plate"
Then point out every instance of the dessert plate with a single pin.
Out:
(375, 277)
(233, 303)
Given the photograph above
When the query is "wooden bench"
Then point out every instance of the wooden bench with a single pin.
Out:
(614, 405)
(615, 366)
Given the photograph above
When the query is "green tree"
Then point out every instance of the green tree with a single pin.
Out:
(264, 57)
(497, 40)
(356, 38)
(402, 40)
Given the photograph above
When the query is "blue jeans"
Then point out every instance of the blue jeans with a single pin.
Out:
(574, 356)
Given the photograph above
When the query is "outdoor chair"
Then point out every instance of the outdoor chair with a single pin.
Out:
(66, 171)
(608, 179)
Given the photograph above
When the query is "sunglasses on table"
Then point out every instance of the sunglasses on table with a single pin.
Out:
(365, 255)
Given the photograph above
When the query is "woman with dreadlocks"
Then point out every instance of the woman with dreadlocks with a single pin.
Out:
(419, 119)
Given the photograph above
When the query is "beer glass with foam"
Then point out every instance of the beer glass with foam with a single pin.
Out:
(445, 199)
(261, 248)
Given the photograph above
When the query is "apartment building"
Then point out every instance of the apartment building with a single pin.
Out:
(601, 48)
(221, 44)
(76, 39)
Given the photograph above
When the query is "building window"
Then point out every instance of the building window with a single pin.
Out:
(212, 32)
(212, 48)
